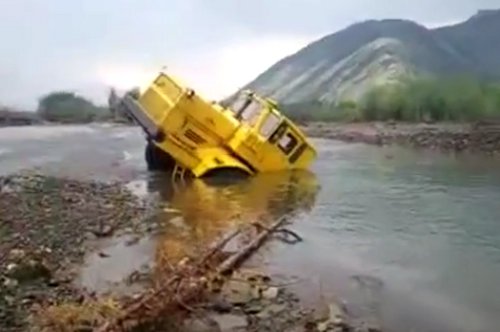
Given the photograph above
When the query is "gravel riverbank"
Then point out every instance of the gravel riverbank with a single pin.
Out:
(443, 136)
(47, 225)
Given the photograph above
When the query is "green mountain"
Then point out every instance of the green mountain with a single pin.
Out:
(347, 64)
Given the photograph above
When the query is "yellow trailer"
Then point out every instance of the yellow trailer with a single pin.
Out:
(189, 135)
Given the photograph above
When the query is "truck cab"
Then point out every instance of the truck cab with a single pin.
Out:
(265, 138)
(185, 131)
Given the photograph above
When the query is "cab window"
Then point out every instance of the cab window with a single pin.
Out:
(251, 113)
(247, 110)
(288, 142)
(269, 125)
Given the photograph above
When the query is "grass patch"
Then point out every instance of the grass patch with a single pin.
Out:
(71, 317)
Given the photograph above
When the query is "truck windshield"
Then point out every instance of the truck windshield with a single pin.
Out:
(247, 109)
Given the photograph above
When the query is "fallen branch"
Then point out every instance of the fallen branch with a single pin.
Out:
(141, 302)
(233, 261)
(191, 281)
(297, 237)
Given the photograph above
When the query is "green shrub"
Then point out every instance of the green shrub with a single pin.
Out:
(413, 100)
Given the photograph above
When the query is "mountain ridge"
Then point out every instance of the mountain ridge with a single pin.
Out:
(348, 63)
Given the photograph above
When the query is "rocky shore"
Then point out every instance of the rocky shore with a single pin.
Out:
(46, 227)
(252, 301)
(477, 137)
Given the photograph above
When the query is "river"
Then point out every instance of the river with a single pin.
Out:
(409, 237)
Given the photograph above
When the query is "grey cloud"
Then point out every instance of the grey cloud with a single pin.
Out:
(54, 44)
(312, 16)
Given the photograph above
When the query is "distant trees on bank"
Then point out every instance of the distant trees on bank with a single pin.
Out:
(414, 100)
(68, 107)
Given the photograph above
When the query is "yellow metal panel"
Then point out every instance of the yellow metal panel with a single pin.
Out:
(203, 136)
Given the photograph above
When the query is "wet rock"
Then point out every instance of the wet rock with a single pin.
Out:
(369, 282)
(220, 305)
(28, 270)
(229, 322)
(323, 326)
(198, 325)
(9, 300)
(53, 283)
(9, 283)
(238, 293)
(336, 313)
(16, 255)
(367, 328)
(91, 236)
(48, 224)
(253, 307)
(132, 241)
(104, 231)
(271, 310)
(270, 293)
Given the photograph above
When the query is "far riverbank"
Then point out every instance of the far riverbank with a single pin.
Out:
(474, 137)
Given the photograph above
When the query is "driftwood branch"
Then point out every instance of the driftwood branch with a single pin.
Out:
(285, 231)
(233, 261)
(189, 280)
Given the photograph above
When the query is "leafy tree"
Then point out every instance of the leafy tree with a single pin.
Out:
(113, 101)
(67, 107)
(415, 100)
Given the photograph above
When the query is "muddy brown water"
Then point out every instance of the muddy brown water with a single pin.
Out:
(410, 238)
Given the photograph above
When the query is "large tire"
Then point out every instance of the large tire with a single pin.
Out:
(157, 159)
(224, 176)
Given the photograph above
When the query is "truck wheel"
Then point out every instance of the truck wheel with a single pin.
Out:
(223, 176)
(157, 159)
(149, 155)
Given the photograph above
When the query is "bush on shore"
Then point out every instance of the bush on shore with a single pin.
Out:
(413, 100)
(67, 107)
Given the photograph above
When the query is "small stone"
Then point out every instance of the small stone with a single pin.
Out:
(197, 325)
(53, 283)
(253, 308)
(132, 241)
(271, 311)
(229, 322)
(336, 313)
(91, 236)
(10, 283)
(84, 329)
(221, 306)
(28, 270)
(11, 267)
(270, 293)
(322, 326)
(237, 293)
(9, 299)
(17, 254)
(104, 231)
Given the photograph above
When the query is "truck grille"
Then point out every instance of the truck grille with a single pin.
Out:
(194, 137)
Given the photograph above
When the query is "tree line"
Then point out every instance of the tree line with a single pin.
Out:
(69, 107)
(412, 100)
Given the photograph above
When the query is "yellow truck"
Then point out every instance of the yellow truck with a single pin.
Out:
(189, 135)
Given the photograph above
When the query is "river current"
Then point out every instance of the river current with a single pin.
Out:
(411, 238)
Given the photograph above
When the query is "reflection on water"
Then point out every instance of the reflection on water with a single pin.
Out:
(206, 210)
(414, 234)
(193, 218)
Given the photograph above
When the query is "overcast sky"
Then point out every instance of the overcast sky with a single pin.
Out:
(213, 45)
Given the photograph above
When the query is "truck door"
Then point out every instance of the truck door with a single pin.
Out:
(287, 141)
